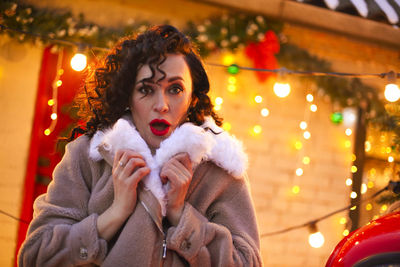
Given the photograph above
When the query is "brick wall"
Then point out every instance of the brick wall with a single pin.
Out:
(19, 72)
(273, 158)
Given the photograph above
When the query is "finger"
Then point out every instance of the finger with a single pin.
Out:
(138, 175)
(177, 175)
(122, 156)
(185, 160)
(131, 165)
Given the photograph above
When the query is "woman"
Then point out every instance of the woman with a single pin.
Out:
(154, 181)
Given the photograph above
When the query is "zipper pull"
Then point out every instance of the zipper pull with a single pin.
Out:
(164, 245)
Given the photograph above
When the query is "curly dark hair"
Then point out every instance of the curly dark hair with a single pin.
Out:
(109, 85)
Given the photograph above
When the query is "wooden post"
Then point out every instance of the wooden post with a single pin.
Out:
(359, 151)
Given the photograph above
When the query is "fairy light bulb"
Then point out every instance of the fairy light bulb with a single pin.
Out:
(348, 131)
(78, 62)
(258, 99)
(219, 101)
(349, 181)
(367, 146)
(282, 90)
(346, 232)
(313, 108)
(392, 91)
(228, 59)
(363, 188)
(47, 132)
(298, 145)
(50, 102)
(310, 98)
(390, 159)
(368, 206)
(299, 171)
(353, 195)
(307, 135)
(53, 116)
(353, 169)
(264, 112)
(315, 239)
(226, 126)
(296, 189)
(303, 125)
(343, 220)
(59, 83)
(257, 129)
(306, 160)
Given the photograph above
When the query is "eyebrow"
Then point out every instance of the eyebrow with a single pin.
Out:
(169, 80)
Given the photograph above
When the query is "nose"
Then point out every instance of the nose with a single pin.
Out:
(161, 105)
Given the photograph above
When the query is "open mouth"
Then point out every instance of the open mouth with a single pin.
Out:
(159, 127)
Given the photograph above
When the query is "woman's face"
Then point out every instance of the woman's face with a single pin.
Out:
(159, 106)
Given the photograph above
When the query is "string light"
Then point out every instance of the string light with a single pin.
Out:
(50, 102)
(232, 84)
(348, 131)
(392, 91)
(298, 145)
(307, 135)
(226, 126)
(367, 146)
(368, 206)
(310, 98)
(349, 117)
(299, 171)
(257, 129)
(370, 184)
(53, 116)
(282, 90)
(349, 181)
(315, 239)
(264, 112)
(296, 189)
(343, 220)
(303, 125)
(258, 99)
(219, 101)
(306, 160)
(346, 232)
(79, 61)
(353, 195)
(363, 188)
(390, 159)
(228, 59)
(347, 143)
(313, 108)
(353, 169)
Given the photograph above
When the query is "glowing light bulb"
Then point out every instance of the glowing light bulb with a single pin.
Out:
(219, 101)
(257, 129)
(346, 232)
(232, 79)
(349, 181)
(296, 189)
(264, 112)
(343, 220)
(310, 98)
(232, 88)
(217, 107)
(370, 184)
(78, 62)
(47, 131)
(59, 83)
(348, 131)
(50, 102)
(368, 206)
(53, 116)
(347, 143)
(228, 59)
(306, 135)
(303, 125)
(313, 108)
(390, 159)
(353, 169)
(353, 157)
(367, 146)
(298, 145)
(392, 92)
(299, 171)
(282, 89)
(316, 240)
(363, 188)
(226, 126)
(353, 195)
(384, 207)
(258, 99)
(388, 150)
(60, 72)
(306, 160)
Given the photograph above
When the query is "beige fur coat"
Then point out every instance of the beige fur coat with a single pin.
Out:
(217, 227)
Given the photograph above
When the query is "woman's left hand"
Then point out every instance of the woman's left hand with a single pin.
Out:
(178, 172)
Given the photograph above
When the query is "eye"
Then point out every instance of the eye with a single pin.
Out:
(175, 89)
(145, 90)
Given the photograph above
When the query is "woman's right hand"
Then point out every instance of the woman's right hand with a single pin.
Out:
(129, 168)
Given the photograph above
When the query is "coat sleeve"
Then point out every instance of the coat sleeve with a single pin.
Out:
(62, 233)
(226, 236)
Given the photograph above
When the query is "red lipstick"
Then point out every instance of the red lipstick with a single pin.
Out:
(159, 127)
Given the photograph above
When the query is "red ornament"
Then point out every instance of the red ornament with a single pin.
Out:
(263, 54)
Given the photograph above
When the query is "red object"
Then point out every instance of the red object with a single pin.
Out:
(263, 54)
(43, 155)
(375, 243)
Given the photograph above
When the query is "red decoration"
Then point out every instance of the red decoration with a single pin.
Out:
(263, 54)
(43, 155)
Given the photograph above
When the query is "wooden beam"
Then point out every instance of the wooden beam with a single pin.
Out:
(320, 18)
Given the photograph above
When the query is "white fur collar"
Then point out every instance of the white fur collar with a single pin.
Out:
(223, 149)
